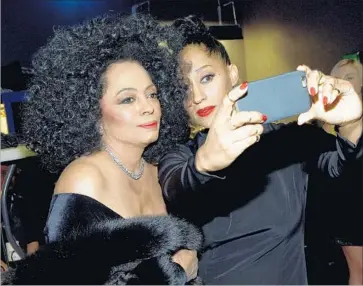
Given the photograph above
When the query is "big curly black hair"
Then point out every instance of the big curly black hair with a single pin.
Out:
(195, 32)
(62, 115)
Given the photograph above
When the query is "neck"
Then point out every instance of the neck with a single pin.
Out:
(129, 155)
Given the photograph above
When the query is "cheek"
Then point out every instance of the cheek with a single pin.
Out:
(213, 91)
(218, 91)
(188, 104)
(157, 108)
(112, 116)
(119, 119)
(189, 107)
(191, 112)
(220, 88)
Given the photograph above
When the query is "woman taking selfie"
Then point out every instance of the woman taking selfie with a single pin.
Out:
(244, 181)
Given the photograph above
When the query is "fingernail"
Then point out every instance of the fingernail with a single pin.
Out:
(325, 100)
(243, 85)
(312, 91)
(264, 117)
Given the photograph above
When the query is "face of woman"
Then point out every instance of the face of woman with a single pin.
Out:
(209, 80)
(130, 107)
(350, 73)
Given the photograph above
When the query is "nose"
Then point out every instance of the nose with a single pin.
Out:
(197, 94)
(146, 106)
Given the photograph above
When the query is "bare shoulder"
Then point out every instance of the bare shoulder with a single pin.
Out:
(82, 176)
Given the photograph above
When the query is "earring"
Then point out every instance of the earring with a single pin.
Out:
(101, 130)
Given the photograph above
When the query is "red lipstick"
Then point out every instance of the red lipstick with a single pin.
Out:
(205, 111)
(149, 125)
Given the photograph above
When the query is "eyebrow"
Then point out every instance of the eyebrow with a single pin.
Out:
(133, 89)
(125, 89)
(202, 67)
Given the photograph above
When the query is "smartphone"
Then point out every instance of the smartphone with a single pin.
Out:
(277, 97)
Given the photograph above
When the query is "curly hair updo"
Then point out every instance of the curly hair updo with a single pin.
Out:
(195, 32)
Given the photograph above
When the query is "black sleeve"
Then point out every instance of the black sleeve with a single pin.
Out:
(282, 145)
(178, 175)
(317, 149)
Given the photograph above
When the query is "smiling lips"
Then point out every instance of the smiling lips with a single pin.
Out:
(205, 111)
(149, 125)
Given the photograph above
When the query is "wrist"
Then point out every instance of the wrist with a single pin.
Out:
(182, 274)
(201, 161)
(351, 123)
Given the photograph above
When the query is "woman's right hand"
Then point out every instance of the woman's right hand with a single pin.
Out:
(230, 134)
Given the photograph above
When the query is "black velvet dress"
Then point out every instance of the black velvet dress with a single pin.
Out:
(69, 210)
(87, 243)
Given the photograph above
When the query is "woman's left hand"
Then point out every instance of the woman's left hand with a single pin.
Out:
(187, 259)
(4, 266)
(334, 101)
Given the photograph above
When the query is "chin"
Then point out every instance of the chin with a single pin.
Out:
(204, 123)
(150, 139)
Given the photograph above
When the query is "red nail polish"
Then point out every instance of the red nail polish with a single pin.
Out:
(325, 100)
(312, 91)
(264, 117)
(243, 85)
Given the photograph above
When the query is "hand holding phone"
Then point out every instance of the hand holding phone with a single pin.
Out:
(277, 97)
(229, 135)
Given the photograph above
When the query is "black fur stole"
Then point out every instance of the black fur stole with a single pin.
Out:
(115, 251)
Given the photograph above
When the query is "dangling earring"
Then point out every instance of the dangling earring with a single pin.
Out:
(101, 130)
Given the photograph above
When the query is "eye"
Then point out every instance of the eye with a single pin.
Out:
(152, 95)
(349, 78)
(207, 78)
(127, 100)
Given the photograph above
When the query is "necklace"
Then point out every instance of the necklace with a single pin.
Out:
(134, 176)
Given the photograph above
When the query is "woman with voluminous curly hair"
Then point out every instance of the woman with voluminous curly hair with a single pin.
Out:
(96, 102)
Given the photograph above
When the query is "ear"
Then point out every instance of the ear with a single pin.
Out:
(233, 74)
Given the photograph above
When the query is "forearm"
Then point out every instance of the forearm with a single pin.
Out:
(327, 153)
(201, 158)
(176, 179)
(334, 162)
(180, 174)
